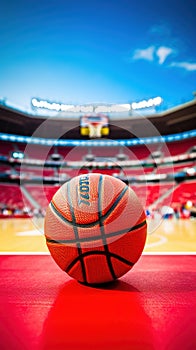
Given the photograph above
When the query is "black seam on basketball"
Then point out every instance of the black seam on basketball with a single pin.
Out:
(116, 202)
(62, 217)
(76, 234)
(95, 238)
(102, 228)
(98, 252)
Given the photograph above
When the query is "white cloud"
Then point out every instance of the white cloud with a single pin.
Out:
(163, 52)
(145, 54)
(185, 65)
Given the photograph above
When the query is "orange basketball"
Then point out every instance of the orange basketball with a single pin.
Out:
(95, 228)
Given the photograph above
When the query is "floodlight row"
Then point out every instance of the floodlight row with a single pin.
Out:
(108, 108)
(97, 142)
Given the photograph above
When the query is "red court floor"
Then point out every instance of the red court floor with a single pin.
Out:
(152, 307)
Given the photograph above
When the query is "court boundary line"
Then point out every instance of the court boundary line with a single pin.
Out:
(143, 254)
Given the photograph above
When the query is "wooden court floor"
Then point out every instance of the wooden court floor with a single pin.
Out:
(164, 236)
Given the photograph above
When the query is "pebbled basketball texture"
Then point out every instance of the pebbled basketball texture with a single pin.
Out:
(95, 228)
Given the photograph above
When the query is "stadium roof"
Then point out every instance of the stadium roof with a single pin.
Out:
(175, 120)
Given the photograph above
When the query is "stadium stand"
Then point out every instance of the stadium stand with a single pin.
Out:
(153, 169)
(176, 148)
(185, 192)
(12, 202)
(44, 197)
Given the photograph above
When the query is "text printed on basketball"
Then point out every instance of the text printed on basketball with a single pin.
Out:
(83, 190)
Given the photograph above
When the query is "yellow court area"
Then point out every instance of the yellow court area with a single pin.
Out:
(166, 236)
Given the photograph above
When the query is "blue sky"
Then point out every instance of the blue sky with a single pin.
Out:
(97, 51)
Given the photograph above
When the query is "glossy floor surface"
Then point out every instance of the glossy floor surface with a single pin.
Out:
(152, 307)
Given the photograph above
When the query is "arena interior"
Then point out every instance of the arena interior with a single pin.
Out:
(151, 307)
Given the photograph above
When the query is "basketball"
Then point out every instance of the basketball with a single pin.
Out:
(95, 228)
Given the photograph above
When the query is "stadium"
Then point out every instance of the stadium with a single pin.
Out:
(97, 175)
(154, 155)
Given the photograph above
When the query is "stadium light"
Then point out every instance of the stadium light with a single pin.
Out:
(97, 108)
(152, 102)
(17, 155)
(107, 143)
